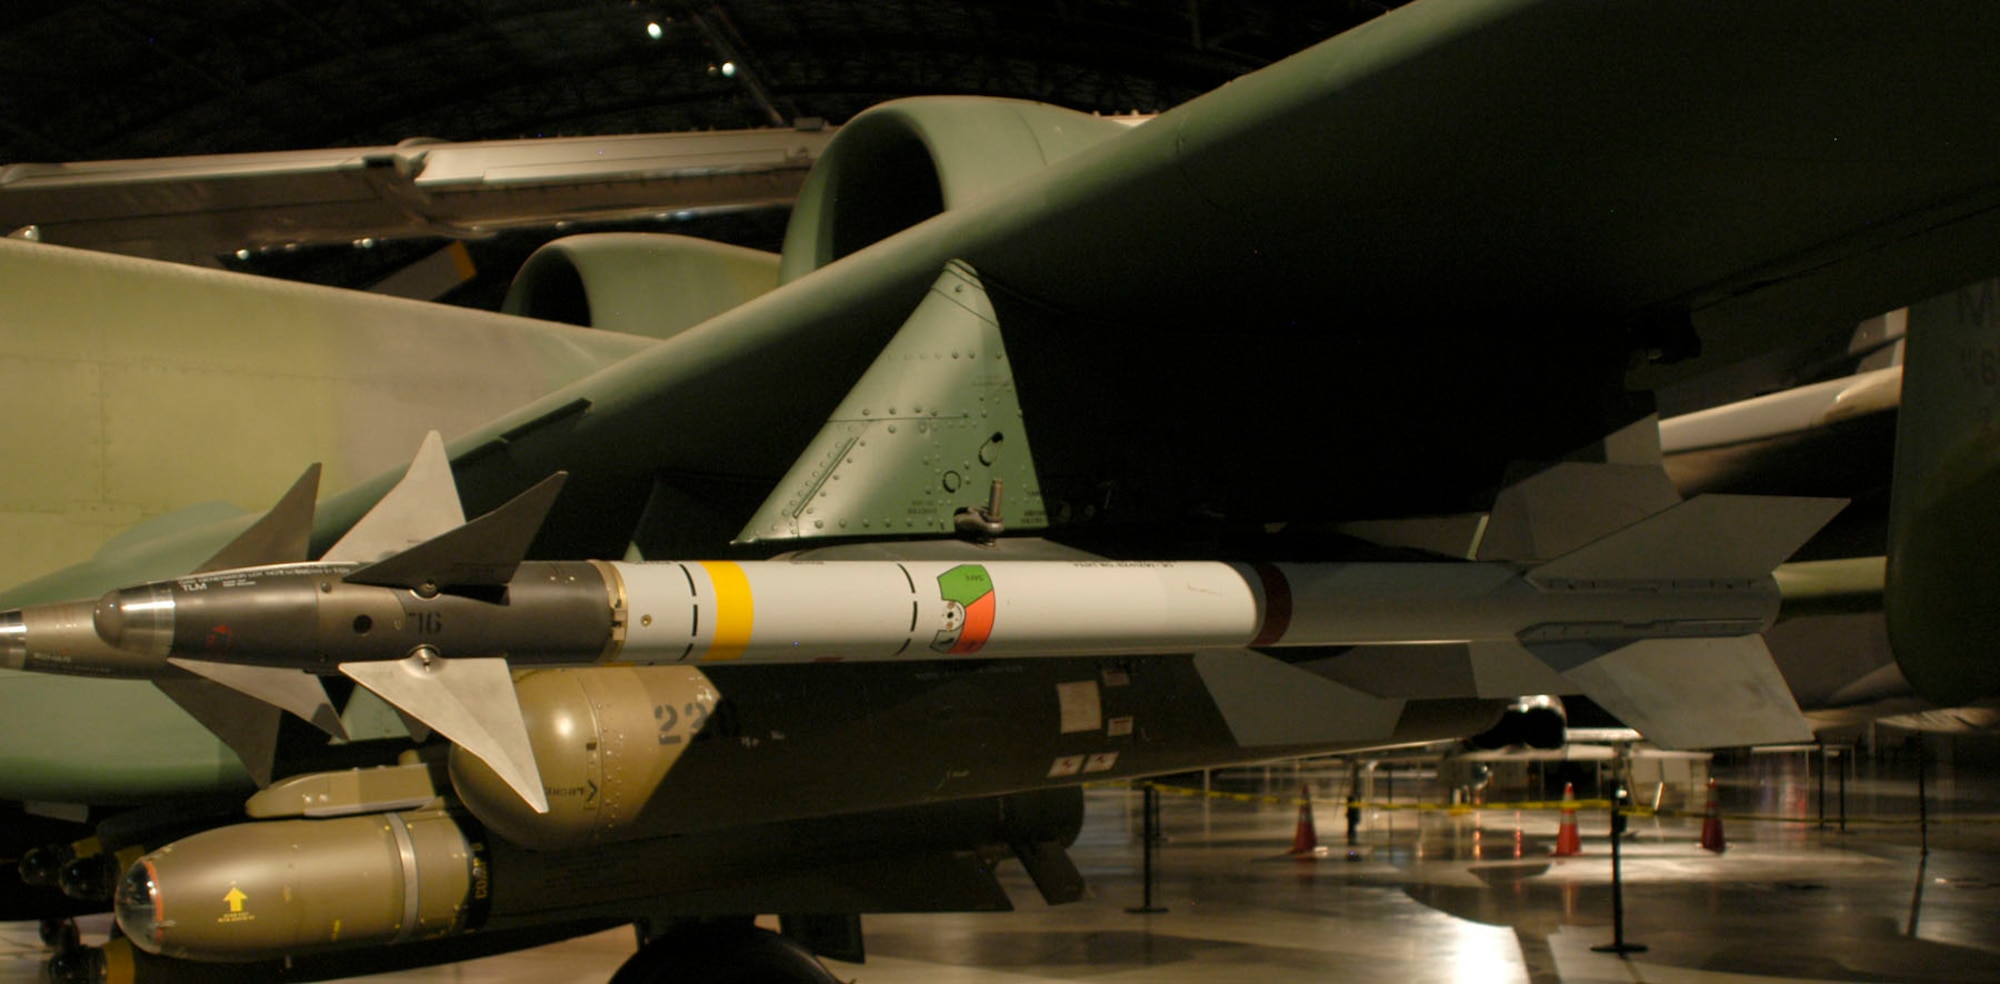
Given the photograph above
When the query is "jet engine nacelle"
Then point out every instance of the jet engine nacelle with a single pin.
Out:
(909, 160)
(638, 283)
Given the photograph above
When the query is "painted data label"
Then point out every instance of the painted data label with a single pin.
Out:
(967, 591)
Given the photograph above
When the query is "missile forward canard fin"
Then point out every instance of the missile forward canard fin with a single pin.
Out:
(422, 506)
(282, 536)
(248, 725)
(928, 431)
(288, 689)
(482, 553)
(469, 701)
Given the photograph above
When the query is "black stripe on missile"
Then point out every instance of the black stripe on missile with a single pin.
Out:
(1277, 605)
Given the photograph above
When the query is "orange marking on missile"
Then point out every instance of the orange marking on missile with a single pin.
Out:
(978, 625)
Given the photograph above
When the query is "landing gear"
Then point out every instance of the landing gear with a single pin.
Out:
(734, 952)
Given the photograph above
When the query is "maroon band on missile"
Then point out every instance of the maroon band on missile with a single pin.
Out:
(1277, 605)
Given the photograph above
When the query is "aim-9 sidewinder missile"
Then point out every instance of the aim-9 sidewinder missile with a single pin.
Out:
(436, 627)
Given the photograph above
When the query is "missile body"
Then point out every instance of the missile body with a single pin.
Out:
(62, 639)
(306, 617)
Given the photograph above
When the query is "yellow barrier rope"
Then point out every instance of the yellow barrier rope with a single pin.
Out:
(1546, 806)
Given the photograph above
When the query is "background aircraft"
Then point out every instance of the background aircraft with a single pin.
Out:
(1442, 252)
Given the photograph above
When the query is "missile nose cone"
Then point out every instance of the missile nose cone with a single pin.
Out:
(13, 640)
(137, 905)
(138, 620)
(109, 618)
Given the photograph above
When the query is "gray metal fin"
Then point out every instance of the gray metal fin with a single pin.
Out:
(481, 553)
(928, 430)
(422, 506)
(280, 537)
(1269, 703)
(1706, 537)
(247, 725)
(292, 690)
(1595, 491)
(469, 701)
(1696, 693)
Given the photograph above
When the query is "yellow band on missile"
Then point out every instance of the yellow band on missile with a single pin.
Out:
(734, 611)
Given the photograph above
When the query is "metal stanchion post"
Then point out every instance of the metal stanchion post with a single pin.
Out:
(1619, 823)
(1923, 801)
(1150, 838)
(1819, 785)
(1845, 758)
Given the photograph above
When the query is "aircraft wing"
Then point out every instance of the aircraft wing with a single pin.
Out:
(1421, 250)
(191, 209)
(1396, 275)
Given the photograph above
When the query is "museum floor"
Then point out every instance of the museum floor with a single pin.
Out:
(1462, 896)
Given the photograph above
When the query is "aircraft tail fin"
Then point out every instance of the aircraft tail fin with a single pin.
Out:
(929, 431)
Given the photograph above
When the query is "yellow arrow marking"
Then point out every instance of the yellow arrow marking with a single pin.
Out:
(235, 898)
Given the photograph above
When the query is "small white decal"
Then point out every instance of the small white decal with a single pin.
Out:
(1081, 709)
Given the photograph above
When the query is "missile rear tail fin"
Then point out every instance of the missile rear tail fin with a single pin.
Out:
(1717, 685)
(1708, 537)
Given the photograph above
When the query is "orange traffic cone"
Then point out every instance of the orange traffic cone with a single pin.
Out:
(1711, 825)
(1568, 843)
(1305, 840)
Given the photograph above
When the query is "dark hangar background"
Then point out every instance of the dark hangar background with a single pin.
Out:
(121, 79)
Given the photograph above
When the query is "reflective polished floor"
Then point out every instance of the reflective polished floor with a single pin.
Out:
(1438, 895)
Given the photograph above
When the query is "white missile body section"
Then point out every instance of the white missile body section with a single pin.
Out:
(780, 611)
(784, 611)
